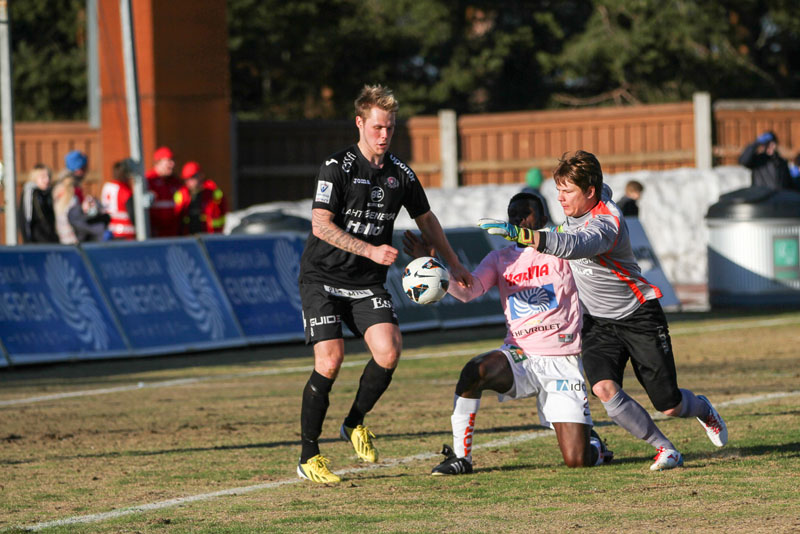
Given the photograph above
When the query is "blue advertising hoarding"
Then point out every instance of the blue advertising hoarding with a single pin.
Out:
(51, 309)
(259, 277)
(165, 295)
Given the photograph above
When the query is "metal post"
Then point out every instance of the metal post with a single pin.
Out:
(703, 144)
(7, 109)
(233, 202)
(134, 125)
(448, 147)
(92, 65)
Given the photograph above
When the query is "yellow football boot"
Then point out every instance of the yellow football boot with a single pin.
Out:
(361, 438)
(316, 470)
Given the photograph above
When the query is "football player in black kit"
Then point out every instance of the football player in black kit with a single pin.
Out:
(359, 192)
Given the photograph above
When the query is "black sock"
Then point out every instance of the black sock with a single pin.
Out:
(374, 381)
(594, 454)
(312, 414)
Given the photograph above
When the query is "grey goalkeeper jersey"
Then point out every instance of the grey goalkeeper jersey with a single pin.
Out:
(598, 247)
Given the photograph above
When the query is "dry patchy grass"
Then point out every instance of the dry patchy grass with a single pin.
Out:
(238, 427)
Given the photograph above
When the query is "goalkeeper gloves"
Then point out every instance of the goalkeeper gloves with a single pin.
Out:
(523, 236)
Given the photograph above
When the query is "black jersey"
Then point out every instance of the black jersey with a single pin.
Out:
(365, 202)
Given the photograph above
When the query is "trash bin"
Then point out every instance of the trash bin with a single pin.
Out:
(754, 249)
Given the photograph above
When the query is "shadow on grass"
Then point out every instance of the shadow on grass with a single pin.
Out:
(86, 371)
(262, 445)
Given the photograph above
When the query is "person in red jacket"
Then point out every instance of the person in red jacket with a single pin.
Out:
(200, 204)
(163, 184)
(117, 200)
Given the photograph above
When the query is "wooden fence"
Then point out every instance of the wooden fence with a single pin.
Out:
(278, 160)
(738, 122)
(48, 143)
(500, 148)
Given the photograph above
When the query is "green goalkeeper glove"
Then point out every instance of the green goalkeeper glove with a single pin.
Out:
(523, 236)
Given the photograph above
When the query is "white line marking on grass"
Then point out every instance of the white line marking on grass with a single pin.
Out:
(759, 398)
(755, 323)
(170, 503)
(393, 462)
(758, 323)
(739, 401)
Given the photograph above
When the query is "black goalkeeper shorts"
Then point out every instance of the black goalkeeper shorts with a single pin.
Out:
(643, 338)
(325, 308)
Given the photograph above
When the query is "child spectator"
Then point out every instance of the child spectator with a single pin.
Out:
(628, 204)
(77, 221)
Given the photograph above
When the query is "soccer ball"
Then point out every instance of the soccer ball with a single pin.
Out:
(425, 280)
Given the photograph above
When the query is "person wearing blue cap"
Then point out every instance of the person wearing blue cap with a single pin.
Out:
(76, 162)
(769, 168)
(794, 171)
(78, 217)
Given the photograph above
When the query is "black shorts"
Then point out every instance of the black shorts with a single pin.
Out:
(643, 338)
(326, 307)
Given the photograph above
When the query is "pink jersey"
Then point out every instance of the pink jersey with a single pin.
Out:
(539, 299)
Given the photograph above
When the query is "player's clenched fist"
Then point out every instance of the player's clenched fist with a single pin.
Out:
(512, 232)
(383, 254)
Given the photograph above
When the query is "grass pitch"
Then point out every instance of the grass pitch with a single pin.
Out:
(208, 443)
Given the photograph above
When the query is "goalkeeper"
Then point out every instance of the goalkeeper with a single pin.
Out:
(622, 319)
(541, 352)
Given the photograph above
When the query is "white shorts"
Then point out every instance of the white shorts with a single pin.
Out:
(556, 381)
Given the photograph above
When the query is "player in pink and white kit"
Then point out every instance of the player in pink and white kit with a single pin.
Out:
(623, 320)
(541, 352)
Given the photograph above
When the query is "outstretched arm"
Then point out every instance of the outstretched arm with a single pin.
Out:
(432, 233)
(414, 246)
(511, 232)
(323, 227)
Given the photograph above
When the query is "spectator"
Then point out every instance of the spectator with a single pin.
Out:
(769, 168)
(628, 204)
(76, 163)
(36, 217)
(533, 184)
(117, 200)
(794, 171)
(200, 204)
(73, 224)
(163, 183)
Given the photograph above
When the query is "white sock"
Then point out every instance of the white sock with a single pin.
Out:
(463, 423)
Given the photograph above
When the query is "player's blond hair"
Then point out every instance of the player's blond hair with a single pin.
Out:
(375, 96)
